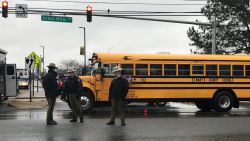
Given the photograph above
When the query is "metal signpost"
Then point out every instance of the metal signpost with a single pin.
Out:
(56, 18)
(36, 63)
(29, 64)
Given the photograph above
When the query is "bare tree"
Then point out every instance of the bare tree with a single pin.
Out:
(65, 64)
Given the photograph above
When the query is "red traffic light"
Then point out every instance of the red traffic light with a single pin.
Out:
(89, 8)
(89, 13)
(4, 4)
(5, 9)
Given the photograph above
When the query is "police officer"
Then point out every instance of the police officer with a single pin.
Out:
(51, 91)
(118, 91)
(73, 87)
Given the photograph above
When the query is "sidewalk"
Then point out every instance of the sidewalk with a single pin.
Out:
(22, 101)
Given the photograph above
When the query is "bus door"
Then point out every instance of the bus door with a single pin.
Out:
(10, 80)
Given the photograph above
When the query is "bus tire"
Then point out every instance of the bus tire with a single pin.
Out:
(87, 101)
(204, 106)
(161, 103)
(223, 101)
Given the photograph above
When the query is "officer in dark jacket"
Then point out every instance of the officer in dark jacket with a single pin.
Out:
(51, 92)
(73, 87)
(118, 91)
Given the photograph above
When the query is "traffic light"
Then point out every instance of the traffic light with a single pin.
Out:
(5, 9)
(89, 13)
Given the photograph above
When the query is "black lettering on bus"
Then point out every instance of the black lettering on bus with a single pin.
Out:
(227, 79)
(198, 80)
(213, 79)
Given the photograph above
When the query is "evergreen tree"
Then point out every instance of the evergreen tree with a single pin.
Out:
(232, 30)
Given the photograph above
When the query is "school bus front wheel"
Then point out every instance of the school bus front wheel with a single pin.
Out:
(87, 101)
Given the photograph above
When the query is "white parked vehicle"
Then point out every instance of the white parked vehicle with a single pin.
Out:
(8, 78)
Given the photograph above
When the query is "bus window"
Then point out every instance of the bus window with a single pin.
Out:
(197, 69)
(211, 70)
(127, 69)
(170, 69)
(248, 70)
(108, 69)
(238, 70)
(225, 70)
(141, 69)
(183, 70)
(155, 69)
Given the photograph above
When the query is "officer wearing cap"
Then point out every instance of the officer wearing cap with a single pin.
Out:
(51, 92)
(118, 91)
(73, 87)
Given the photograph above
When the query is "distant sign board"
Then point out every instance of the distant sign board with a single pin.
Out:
(29, 63)
(21, 10)
(56, 18)
(82, 50)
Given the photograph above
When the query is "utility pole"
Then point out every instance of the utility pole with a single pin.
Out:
(43, 59)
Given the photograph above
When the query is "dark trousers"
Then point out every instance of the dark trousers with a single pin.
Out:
(118, 106)
(76, 106)
(51, 105)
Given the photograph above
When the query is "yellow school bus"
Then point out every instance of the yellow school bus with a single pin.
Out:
(216, 82)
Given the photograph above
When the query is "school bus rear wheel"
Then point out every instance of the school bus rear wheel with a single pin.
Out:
(223, 101)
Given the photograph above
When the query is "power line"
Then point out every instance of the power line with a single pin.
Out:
(55, 12)
(99, 14)
(78, 14)
(115, 3)
(115, 11)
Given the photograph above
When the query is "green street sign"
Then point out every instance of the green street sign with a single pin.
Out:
(56, 18)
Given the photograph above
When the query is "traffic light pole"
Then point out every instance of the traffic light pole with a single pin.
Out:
(43, 59)
(158, 20)
(85, 61)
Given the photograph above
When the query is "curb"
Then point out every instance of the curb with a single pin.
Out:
(25, 104)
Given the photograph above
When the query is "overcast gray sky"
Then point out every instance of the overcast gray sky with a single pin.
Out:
(63, 40)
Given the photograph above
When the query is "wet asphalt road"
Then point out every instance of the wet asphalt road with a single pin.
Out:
(174, 122)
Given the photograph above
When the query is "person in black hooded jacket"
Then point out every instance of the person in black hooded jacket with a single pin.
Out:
(51, 92)
(118, 91)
